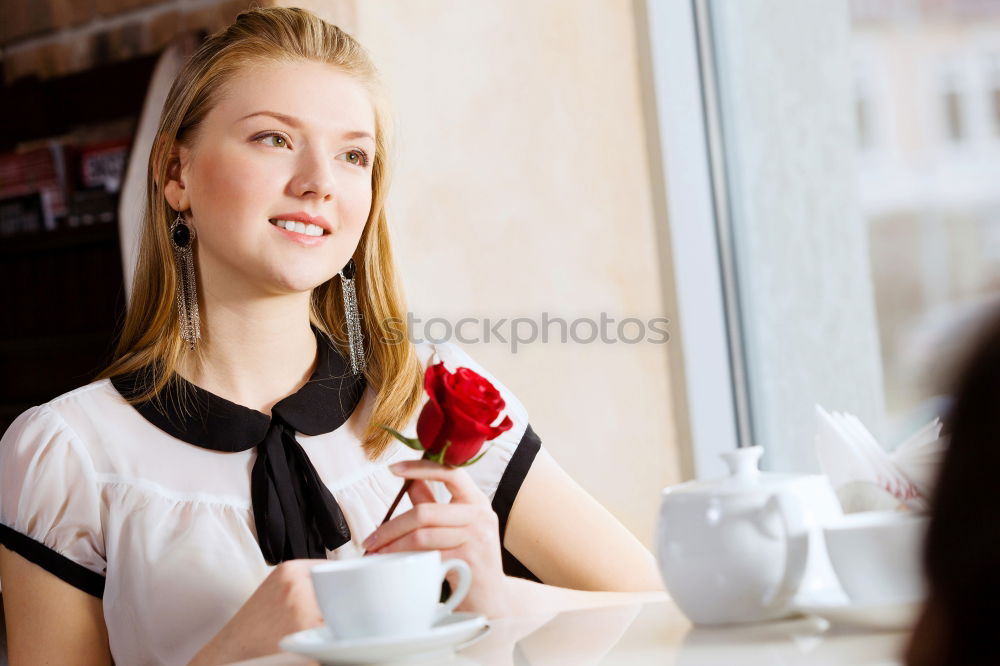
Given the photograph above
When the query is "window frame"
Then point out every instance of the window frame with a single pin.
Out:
(711, 398)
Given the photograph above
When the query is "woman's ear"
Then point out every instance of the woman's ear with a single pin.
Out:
(174, 187)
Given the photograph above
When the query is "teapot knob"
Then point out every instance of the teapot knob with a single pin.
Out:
(742, 462)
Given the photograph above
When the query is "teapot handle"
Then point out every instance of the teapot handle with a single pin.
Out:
(796, 532)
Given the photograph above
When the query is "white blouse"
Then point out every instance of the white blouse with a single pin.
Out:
(163, 530)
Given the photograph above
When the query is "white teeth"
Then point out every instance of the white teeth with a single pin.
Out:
(299, 227)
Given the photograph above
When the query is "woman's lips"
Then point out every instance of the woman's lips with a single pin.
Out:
(302, 239)
(306, 218)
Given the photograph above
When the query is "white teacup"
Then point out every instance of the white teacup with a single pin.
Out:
(387, 595)
(877, 555)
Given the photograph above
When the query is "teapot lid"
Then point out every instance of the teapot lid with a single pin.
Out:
(744, 476)
(743, 464)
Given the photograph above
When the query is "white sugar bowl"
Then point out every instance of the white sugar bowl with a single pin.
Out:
(736, 549)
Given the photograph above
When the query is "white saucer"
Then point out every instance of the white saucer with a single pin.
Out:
(454, 631)
(894, 616)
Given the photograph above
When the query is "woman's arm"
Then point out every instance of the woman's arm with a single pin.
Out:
(567, 539)
(48, 620)
(555, 529)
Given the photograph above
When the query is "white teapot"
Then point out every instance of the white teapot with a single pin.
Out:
(739, 548)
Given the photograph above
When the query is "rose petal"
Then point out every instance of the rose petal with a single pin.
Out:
(485, 410)
(429, 426)
(466, 436)
(459, 411)
(435, 378)
(503, 427)
(477, 397)
(475, 384)
(463, 408)
(458, 454)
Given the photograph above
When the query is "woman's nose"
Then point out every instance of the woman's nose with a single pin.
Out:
(314, 176)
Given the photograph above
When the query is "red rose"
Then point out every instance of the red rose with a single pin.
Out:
(458, 415)
(455, 421)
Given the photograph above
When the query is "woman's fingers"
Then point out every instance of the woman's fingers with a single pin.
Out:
(423, 515)
(427, 538)
(420, 491)
(459, 483)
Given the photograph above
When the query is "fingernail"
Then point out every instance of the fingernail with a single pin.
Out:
(398, 466)
(369, 541)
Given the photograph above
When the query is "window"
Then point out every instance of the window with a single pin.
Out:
(863, 115)
(952, 111)
(845, 276)
(993, 94)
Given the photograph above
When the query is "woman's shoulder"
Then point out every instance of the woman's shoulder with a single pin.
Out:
(97, 391)
(50, 498)
(78, 410)
(42, 449)
(452, 355)
(433, 351)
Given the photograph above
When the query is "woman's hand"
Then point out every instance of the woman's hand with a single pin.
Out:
(283, 604)
(466, 528)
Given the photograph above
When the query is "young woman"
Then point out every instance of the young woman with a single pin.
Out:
(169, 511)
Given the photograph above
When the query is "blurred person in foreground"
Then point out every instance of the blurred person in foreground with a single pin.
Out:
(962, 550)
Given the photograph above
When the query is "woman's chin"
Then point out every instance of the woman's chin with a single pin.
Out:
(298, 284)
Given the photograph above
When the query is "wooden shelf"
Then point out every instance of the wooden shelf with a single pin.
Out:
(35, 109)
(64, 293)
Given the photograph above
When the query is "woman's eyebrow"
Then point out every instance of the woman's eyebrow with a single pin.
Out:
(290, 120)
(295, 122)
(357, 134)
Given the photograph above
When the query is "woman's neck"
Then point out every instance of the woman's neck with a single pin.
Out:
(254, 353)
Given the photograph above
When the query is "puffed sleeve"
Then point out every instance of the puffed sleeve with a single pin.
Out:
(50, 501)
(508, 457)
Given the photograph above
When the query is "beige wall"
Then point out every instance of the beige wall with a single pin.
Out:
(521, 186)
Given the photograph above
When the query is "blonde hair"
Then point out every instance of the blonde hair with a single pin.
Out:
(150, 341)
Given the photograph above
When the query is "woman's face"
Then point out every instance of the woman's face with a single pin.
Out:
(287, 141)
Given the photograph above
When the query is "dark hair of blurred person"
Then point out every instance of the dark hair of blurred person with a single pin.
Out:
(962, 550)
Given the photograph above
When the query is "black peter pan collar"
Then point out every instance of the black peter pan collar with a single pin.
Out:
(295, 514)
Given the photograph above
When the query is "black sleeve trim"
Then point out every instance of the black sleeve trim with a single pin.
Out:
(503, 500)
(55, 563)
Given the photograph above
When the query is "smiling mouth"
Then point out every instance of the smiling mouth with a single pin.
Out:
(300, 227)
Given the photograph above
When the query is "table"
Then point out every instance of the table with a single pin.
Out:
(654, 632)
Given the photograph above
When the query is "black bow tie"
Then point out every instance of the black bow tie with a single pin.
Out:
(295, 514)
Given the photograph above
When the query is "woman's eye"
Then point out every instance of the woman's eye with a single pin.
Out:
(275, 140)
(357, 157)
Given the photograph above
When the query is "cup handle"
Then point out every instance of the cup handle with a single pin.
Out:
(464, 583)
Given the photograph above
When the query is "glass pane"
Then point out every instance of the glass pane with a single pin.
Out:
(860, 144)
(929, 189)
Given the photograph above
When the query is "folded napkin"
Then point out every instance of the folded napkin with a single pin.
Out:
(866, 476)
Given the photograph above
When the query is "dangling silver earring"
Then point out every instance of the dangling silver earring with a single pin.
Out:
(353, 317)
(182, 238)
